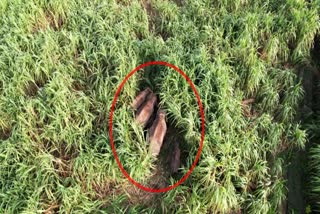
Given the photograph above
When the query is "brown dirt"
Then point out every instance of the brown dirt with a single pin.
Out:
(63, 160)
(154, 19)
(5, 133)
(105, 189)
(153, 14)
(31, 89)
(53, 208)
(53, 21)
(247, 108)
(124, 2)
(158, 180)
(180, 3)
(262, 54)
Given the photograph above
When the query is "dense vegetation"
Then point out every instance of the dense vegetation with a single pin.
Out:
(312, 123)
(61, 62)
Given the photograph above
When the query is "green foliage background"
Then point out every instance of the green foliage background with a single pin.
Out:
(61, 62)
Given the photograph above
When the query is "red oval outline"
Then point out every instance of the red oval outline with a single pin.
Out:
(202, 127)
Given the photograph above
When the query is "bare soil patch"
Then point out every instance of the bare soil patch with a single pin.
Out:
(52, 21)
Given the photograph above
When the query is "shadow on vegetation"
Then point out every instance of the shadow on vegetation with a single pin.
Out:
(297, 175)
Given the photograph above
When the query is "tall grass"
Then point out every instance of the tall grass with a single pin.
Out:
(61, 62)
(313, 181)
